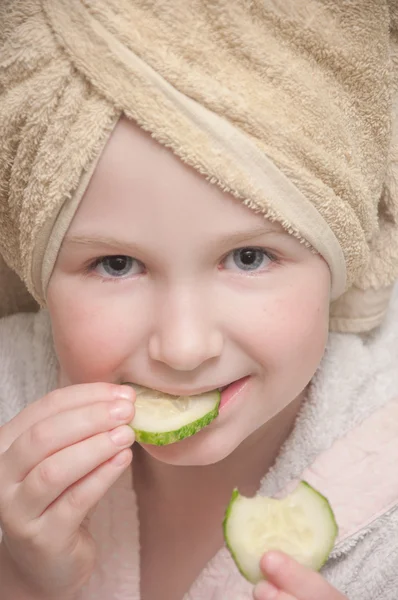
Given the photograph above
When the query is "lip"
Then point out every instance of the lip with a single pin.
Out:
(232, 391)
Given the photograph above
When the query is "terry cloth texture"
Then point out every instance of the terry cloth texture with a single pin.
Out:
(290, 105)
(356, 381)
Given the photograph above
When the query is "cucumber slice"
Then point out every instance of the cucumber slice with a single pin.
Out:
(302, 525)
(162, 419)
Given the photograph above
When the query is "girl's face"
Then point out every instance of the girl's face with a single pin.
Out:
(165, 281)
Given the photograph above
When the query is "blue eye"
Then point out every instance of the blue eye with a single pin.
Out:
(118, 266)
(248, 259)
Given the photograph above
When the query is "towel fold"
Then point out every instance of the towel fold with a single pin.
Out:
(292, 106)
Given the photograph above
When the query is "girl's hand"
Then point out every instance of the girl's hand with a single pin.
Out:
(58, 457)
(287, 580)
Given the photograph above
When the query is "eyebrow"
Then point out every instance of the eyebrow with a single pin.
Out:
(224, 240)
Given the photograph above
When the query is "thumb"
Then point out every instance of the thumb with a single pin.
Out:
(303, 583)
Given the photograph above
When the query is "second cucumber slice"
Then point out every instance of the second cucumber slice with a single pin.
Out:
(302, 525)
(162, 419)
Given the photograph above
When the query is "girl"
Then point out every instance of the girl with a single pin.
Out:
(150, 274)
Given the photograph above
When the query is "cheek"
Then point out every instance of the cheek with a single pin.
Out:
(92, 338)
(86, 349)
(291, 336)
(303, 332)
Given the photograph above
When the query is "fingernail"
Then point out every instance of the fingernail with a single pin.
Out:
(265, 591)
(122, 436)
(125, 393)
(121, 410)
(272, 562)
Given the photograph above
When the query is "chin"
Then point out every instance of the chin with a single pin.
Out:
(204, 448)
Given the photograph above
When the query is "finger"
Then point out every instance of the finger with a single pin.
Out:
(266, 591)
(291, 577)
(69, 511)
(59, 431)
(46, 482)
(61, 522)
(58, 401)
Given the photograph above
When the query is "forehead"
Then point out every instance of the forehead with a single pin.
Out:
(138, 179)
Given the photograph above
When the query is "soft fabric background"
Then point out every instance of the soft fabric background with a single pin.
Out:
(14, 297)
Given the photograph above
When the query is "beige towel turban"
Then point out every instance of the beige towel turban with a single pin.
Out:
(290, 105)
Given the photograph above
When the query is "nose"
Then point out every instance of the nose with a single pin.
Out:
(185, 332)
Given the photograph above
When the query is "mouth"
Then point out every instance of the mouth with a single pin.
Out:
(162, 418)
